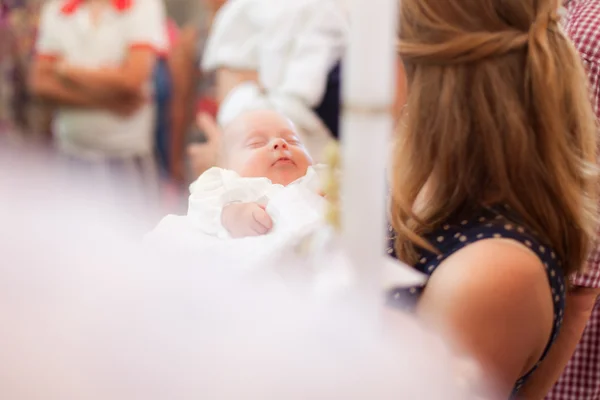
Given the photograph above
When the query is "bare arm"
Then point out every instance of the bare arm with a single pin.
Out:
(579, 306)
(228, 78)
(43, 80)
(46, 85)
(128, 79)
(495, 309)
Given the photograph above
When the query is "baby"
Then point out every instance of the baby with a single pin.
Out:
(263, 155)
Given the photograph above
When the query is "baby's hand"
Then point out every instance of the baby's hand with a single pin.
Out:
(246, 219)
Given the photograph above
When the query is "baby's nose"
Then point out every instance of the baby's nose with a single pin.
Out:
(279, 144)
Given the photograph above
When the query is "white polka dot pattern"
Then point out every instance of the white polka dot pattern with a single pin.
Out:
(492, 225)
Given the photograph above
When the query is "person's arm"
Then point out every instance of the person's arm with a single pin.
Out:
(184, 75)
(229, 78)
(205, 155)
(245, 219)
(217, 188)
(46, 85)
(145, 33)
(493, 303)
(579, 305)
(128, 79)
(208, 125)
(43, 81)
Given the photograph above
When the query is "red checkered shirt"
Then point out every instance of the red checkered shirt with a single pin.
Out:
(581, 378)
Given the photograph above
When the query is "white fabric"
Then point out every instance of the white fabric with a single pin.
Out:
(301, 47)
(293, 47)
(322, 265)
(301, 248)
(48, 37)
(89, 314)
(218, 187)
(244, 253)
(235, 34)
(72, 38)
(313, 254)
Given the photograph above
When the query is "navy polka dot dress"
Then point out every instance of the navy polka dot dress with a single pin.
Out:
(495, 222)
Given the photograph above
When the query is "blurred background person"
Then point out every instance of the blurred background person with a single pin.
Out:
(8, 67)
(32, 117)
(164, 73)
(20, 113)
(94, 64)
(193, 94)
(575, 361)
(163, 76)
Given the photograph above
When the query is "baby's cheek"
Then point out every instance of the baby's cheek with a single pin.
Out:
(253, 165)
(251, 171)
(303, 163)
(307, 159)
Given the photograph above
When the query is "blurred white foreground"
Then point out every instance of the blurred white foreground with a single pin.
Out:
(87, 313)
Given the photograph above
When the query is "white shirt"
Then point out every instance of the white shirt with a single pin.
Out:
(66, 33)
(218, 187)
(293, 45)
(235, 34)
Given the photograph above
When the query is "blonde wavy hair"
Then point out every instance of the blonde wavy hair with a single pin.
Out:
(497, 112)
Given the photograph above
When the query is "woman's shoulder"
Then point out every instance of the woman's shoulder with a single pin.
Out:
(493, 259)
(490, 287)
(491, 263)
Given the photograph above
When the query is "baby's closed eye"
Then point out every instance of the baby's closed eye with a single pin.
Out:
(291, 139)
(256, 143)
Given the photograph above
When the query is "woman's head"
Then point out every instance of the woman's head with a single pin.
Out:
(497, 112)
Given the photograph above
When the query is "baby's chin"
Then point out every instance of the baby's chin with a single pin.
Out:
(285, 176)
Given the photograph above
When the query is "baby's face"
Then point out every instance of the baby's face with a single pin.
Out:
(265, 144)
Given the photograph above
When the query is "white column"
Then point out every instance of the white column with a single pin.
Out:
(368, 93)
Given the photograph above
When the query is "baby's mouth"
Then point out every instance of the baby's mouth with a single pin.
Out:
(284, 161)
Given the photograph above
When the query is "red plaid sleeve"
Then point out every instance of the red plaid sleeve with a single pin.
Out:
(581, 377)
(590, 277)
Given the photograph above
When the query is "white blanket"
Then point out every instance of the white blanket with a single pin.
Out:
(299, 247)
